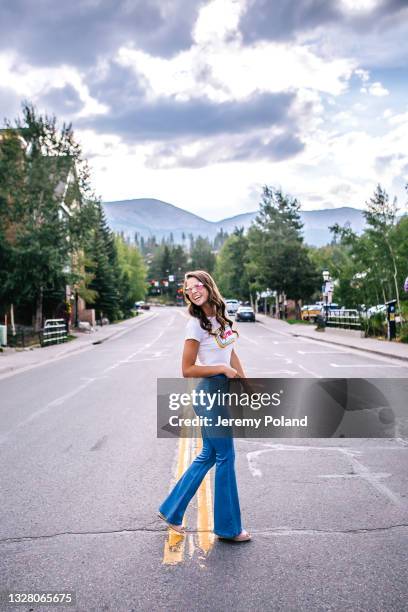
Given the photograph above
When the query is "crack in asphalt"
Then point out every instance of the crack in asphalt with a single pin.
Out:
(271, 531)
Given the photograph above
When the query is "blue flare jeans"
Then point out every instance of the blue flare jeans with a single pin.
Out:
(218, 449)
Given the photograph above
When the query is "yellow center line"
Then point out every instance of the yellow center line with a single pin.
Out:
(205, 519)
(174, 545)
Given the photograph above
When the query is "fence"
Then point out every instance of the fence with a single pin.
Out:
(53, 332)
(346, 319)
(22, 337)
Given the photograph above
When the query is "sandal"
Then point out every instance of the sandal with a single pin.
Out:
(244, 536)
(179, 528)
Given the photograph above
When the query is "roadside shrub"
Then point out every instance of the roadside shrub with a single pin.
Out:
(403, 333)
(376, 325)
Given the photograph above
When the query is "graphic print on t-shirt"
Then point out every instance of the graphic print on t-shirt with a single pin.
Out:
(224, 339)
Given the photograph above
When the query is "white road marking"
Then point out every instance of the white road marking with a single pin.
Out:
(308, 371)
(272, 371)
(63, 398)
(79, 349)
(247, 338)
(364, 472)
(359, 468)
(274, 331)
(55, 402)
(365, 365)
(141, 360)
(142, 348)
(345, 476)
(322, 352)
(359, 351)
(281, 357)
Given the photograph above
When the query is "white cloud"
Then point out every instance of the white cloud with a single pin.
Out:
(217, 21)
(32, 82)
(398, 119)
(227, 71)
(363, 74)
(360, 108)
(376, 89)
(339, 165)
(346, 117)
(358, 6)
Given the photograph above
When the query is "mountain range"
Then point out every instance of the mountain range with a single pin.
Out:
(149, 217)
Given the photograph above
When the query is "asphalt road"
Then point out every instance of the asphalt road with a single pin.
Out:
(83, 473)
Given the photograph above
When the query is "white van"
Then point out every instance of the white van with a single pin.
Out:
(232, 306)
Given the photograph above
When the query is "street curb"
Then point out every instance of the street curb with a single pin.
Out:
(352, 346)
(75, 349)
(112, 335)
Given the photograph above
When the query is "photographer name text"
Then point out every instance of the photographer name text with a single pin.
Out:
(267, 420)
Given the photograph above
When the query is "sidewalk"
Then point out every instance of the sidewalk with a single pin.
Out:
(343, 337)
(12, 360)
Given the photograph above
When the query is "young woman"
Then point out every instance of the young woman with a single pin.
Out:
(210, 337)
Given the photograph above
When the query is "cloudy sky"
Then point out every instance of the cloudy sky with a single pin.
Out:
(200, 103)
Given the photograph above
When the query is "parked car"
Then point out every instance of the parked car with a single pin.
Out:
(304, 312)
(345, 313)
(245, 313)
(232, 306)
(309, 313)
(142, 304)
(380, 308)
(376, 309)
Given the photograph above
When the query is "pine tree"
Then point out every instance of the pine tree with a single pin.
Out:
(381, 217)
(229, 269)
(105, 270)
(202, 257)
(47, 210)
(277, 257)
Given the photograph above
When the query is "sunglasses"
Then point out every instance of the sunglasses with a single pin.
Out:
(196, 287)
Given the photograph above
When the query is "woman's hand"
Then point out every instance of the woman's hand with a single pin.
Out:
(230, 372)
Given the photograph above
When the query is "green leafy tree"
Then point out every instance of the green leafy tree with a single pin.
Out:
(220, 239)
(161, 263)
(229, 271)
(178, 262)
(381, 217)
(42, 210)
(373, 265)
(104, 268)
(133, 286)
(277, 257)
(202, 256)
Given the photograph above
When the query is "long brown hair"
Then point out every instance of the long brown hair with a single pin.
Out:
(214, 299)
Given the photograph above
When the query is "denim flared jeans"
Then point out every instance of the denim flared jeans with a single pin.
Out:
(218, 449)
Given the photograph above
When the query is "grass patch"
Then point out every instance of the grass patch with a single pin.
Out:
(298, 322)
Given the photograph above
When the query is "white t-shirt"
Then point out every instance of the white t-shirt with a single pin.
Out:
(213, 350)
